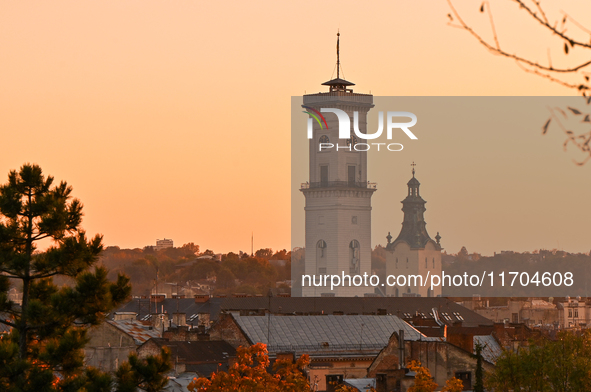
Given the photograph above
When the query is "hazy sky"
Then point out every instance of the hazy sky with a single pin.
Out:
(172, 119)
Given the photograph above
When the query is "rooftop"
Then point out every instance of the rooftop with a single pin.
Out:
(139, 332)
(317, 334)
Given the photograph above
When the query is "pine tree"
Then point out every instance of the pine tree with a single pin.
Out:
(479, 382)
(43, 351)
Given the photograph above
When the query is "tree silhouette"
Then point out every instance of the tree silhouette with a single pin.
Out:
(43, 351)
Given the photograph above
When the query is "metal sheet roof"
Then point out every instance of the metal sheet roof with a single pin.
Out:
(492, 350)
(362, 384)
(322, 333)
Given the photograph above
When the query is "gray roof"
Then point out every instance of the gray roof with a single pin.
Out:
(492, 350)
(325, 333)
(144, 307)
(362, 384)
(403, 307)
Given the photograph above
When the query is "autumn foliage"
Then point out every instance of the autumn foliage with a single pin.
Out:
(250, 373)
(453, 385)
(423, 379)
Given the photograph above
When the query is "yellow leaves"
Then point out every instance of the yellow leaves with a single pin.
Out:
(423, 379)
(453, 385)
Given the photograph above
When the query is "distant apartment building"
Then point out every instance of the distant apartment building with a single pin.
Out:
(165, 243)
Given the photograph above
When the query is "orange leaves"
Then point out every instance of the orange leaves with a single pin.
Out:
(250, 373)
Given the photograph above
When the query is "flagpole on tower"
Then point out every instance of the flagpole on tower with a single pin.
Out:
(338, 56)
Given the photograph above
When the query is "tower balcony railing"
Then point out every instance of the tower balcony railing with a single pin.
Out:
(330, 96)
(339, 184)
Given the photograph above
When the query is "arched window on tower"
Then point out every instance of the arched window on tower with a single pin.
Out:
(426, 266)
(354, 257)
(321, 257)
(433, 262)
(323, 139)
(407, 263)
(397, 264)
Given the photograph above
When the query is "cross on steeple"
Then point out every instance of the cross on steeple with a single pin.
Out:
(413, 164)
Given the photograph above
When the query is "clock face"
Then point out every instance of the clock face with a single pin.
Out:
(323, 139)
(353, 141)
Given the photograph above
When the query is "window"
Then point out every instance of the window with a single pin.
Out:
(324, 175)
(354, 257)
(426, 263)
(397, 264)
(321, 257)
(570, 313)
(354, 220)
(323, 139)
(433, 262)
(576, 313)
(351, 175)
(407, 263)
(332, 379)
(466, 378)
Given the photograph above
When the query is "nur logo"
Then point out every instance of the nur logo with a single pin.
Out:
(345, 127)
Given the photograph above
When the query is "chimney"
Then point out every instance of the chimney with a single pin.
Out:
(158, 298)
(203, 319)
(124, 316)
(401, 348)
(180, 319)
(201, 298)
(159, 322)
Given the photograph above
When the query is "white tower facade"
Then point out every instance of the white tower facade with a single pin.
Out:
(338, 195)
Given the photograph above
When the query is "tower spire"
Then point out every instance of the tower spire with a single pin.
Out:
(413, 164)
(338, 54)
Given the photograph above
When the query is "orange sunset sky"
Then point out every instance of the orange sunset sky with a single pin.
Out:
(172, 118)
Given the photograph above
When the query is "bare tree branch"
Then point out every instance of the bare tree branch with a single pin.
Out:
(520, 59)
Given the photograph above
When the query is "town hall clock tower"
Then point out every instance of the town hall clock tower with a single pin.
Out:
(338, 194)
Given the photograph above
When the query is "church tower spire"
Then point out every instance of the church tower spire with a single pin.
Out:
(414, 231)
(413, 251)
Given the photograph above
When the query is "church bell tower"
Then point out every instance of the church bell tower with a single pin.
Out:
(338, 194)
(413, 252)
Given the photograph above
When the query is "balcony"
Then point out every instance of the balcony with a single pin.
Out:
(339, 184)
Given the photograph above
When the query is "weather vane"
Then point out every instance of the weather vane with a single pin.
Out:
(413, 164)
